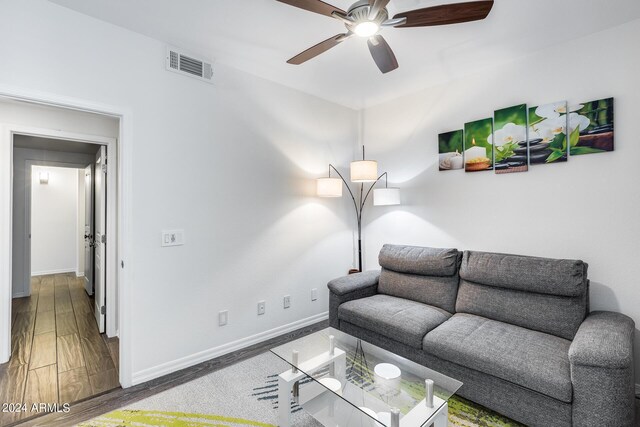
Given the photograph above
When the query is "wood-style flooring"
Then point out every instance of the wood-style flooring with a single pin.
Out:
(57, 354)
(120, 397)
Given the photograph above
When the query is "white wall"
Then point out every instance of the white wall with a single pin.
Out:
(586, 208)
(230, 163)
(80, 223)
(54, 221)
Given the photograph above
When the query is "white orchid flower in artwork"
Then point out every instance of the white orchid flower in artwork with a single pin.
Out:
(578, 121)
(544, 133)
(509, 133)
(557, 126)
(548, 129)
(552, 111)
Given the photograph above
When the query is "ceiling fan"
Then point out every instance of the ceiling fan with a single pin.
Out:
(365, 18)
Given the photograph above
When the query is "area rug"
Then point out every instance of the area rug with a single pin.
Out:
(246, 394)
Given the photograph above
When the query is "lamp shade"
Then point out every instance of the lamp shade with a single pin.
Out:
(329, 187)
(364, 171)
(386, 196)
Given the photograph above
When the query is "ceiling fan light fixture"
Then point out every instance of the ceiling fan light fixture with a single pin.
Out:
(366, 29)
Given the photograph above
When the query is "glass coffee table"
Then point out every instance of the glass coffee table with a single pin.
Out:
(343, 381)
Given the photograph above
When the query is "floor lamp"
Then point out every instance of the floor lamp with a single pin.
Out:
(362, 172)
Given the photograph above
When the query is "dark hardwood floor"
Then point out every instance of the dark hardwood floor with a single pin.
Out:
(112, 400)
(58, 355)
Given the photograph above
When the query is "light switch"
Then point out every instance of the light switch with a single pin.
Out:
(172, 238)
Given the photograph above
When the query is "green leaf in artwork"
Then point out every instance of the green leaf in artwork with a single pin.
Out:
(557, 141)
(555, 155)
(576, 151)
(574, 138)
(505, 151)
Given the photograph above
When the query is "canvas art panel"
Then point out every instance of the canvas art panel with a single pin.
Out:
(510, 139)
(478, 149)
(591, 127)
(450, 148)
(548, 133)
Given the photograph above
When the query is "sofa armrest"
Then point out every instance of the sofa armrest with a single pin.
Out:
(349, 288)
(601, 359)
(354, 282)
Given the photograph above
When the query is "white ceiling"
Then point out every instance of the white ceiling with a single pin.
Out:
(258, 36)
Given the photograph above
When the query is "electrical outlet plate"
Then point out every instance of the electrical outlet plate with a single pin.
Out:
(223, 317)
(261, 307)
(287, 301)
(172, 238)
(314, 294)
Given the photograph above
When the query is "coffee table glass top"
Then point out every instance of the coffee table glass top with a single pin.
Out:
(369, 382)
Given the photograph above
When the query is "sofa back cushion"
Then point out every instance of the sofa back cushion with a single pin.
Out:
(426, 275)
(543, 294)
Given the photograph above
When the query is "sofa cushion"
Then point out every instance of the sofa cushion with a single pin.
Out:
(426, 275)
(419, 260)
(531, 359)
(562, 277)
(401, 319)
(542, 294)
(438, 291)
(560, 316)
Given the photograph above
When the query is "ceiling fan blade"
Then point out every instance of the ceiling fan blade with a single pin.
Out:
(316, 6)
(382, 54)
(376, 7)
(316, 50)
(446, 14)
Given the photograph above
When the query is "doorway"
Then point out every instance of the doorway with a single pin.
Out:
(60, 352)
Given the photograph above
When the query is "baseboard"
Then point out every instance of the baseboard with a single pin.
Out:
(79, 273)
(202, 356)
(19, 295)
(45, 273)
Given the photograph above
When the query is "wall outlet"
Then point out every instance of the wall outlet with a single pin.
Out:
(314, 294)
(223, 317)
(261, 307)
(172, 238)
(287, 301)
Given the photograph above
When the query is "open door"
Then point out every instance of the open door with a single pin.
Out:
(100, 244)
(88, 229)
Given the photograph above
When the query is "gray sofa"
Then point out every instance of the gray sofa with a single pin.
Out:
(515, 330)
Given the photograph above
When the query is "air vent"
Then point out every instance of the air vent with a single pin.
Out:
(187, 64)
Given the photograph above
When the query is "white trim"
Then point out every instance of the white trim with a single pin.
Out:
(202, 356)
(124, 218)
(6, 214)
(79, 273)
(60, 271)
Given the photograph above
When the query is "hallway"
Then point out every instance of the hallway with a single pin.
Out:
(58, 355)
